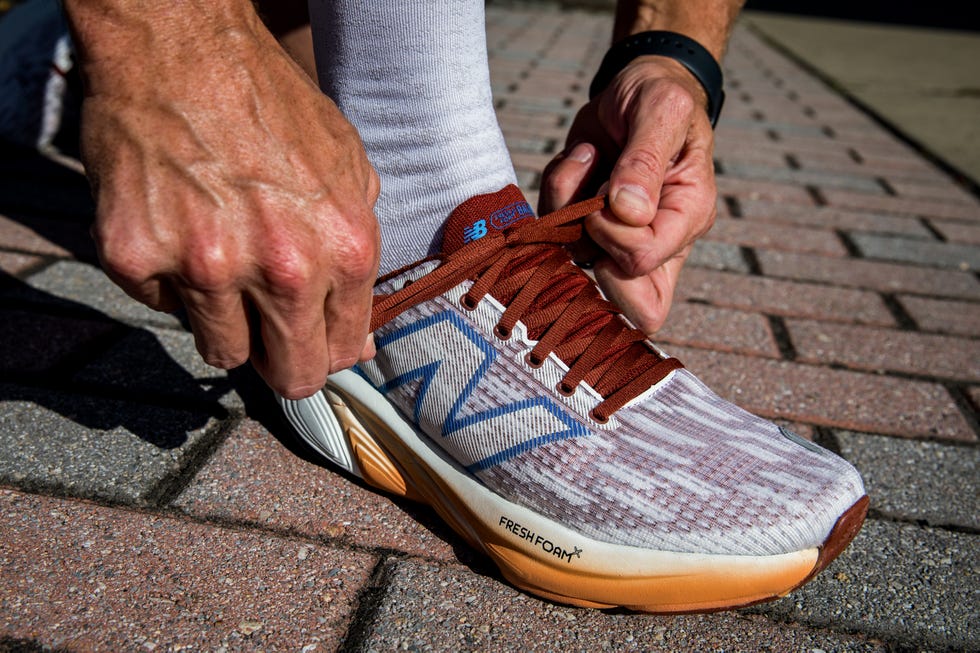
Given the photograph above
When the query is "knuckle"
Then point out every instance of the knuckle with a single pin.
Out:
(289, 271)
(644, 161)
(209, 267)
(677, 98)
(561, 177)
(301, 384)
(224, 360)
(641, 262)
(126, 262)
(359, 255)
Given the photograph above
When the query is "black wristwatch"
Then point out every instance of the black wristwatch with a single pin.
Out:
(688, 52)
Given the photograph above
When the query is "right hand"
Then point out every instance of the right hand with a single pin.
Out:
(228, 184)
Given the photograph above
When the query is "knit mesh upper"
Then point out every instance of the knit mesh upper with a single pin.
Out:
(508, 359)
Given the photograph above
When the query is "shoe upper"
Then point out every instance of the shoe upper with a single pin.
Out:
(603, 433)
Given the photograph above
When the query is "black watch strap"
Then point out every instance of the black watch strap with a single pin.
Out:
(688, 52)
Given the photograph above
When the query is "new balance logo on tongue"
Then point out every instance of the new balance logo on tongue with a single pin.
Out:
(475, 231)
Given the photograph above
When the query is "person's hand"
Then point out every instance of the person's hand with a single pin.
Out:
(648, 135)
(226, 183)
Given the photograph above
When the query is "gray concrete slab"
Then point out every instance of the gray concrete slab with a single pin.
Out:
(913, 480)
(71, 284)
(905, 250)
(432, 607)
(905, 584)
(926, 82)
(93, 446)
(717, 256)
(160, 363)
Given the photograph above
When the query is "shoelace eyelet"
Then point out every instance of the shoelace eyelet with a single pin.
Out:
(501, 332)
(598, 419)
(532, 361)
(564, 390)
(467, 302)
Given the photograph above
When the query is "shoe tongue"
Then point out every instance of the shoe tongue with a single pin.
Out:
(484, 214)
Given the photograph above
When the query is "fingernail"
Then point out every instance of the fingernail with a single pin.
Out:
(634, 198)
(581, 153)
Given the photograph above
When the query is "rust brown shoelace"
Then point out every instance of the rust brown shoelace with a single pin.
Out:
(527, 269)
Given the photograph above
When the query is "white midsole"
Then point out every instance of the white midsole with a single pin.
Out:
(534, 535)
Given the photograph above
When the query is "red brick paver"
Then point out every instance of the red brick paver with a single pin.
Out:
(243, 481)
(76, 576)
(843, 307)
(875, 349)
(776, 236)
(872, 275)
(944, 316)
(783, 297)
(829, 397)
(718, 328)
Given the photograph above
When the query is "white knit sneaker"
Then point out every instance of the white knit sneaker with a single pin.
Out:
(554, 437)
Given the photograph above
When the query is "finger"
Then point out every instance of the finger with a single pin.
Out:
(639, 250)
(156, 293)
(289, 344)
(566, 176)
(658, 128)
(348, 317)
(136, 273)
(645, 300)
(220, 326)
(632, 248)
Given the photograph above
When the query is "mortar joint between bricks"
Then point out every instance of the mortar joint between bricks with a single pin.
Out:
(780, 333)
(928, 226)
(369, 602)
(886, 186)
(166, 491)
(965, 405)
(827, 438)
(751, 261)
(816, 195)
(734, 207)
(902, 317)
(852, 249)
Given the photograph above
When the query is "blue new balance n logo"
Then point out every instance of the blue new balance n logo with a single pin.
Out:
(436, 371)
(475, 231)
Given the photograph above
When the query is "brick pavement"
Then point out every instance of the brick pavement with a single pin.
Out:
(150, 502)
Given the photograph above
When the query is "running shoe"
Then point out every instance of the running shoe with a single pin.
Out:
(591, 467)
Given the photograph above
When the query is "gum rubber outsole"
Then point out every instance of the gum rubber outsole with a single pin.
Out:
(350, 425)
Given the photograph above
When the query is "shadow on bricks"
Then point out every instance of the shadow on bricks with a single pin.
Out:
(51, 347)
(95, 400)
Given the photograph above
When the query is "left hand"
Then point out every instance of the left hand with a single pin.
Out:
(648, 135)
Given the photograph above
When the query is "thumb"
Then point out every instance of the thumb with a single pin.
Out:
(655, 138)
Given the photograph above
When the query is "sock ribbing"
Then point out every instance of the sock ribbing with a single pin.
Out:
(413, 79)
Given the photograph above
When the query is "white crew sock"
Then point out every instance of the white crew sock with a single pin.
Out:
(412, 77)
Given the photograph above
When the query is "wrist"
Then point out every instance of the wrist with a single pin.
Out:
(685, 51)
(666, 67)
(709, 22)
